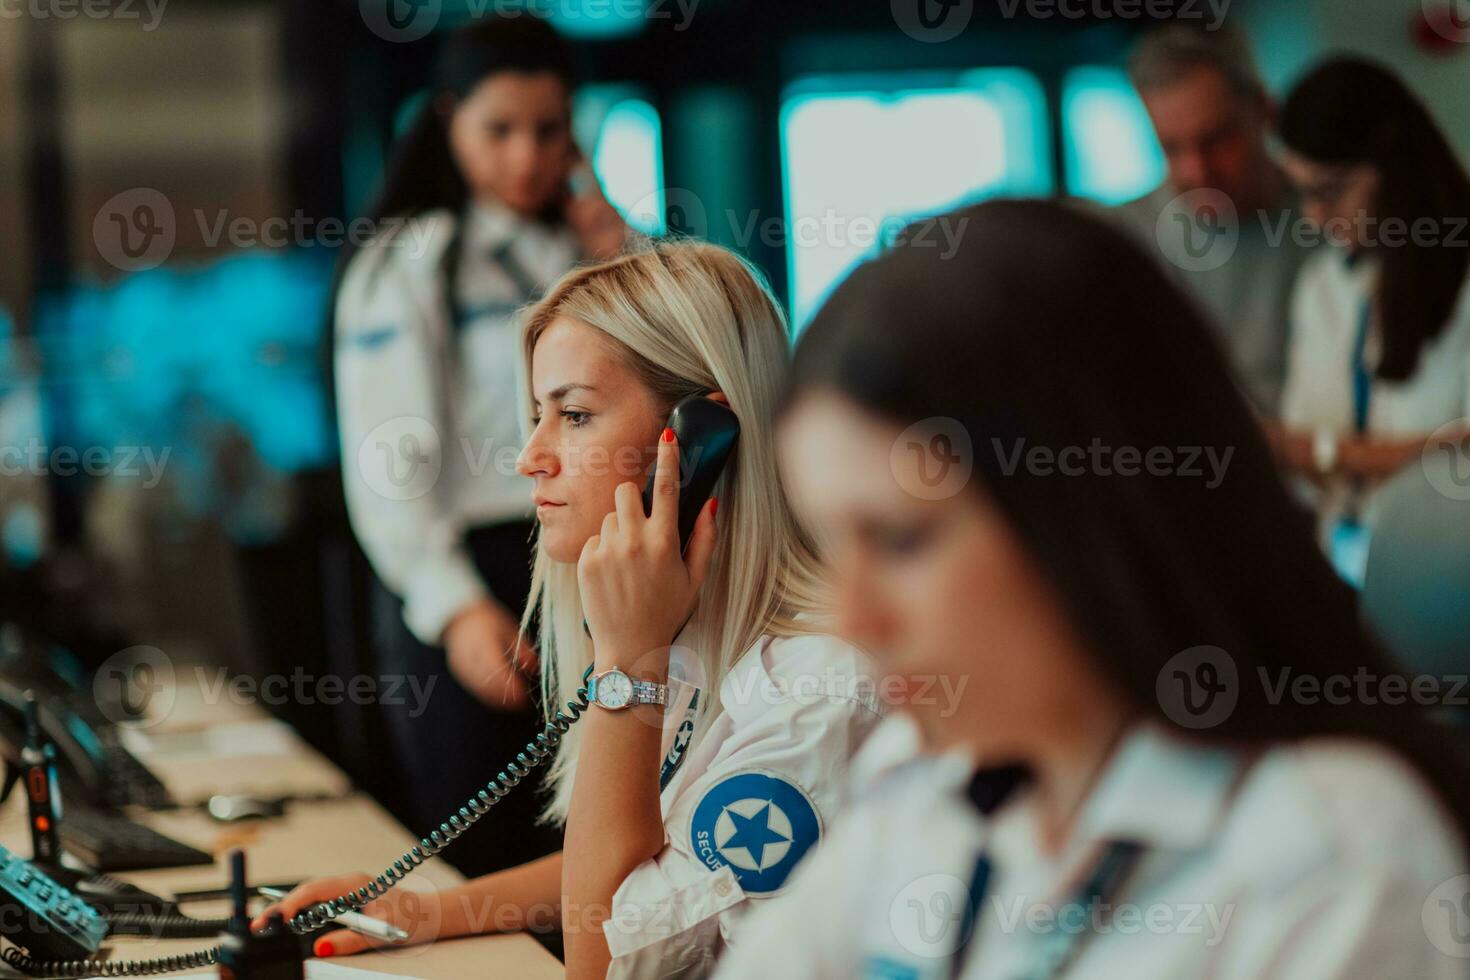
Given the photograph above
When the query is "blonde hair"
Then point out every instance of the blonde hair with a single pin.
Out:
(688, 319)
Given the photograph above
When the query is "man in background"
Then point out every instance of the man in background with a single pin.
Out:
(1224, 218)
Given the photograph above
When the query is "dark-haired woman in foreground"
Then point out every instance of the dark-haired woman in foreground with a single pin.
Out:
(1175, 752)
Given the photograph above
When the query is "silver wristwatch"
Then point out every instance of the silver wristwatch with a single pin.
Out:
(1325, 451)
(615, 690)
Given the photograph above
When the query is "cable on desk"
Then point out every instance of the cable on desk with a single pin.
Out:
(537, 751)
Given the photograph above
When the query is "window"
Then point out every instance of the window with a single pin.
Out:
(865, 156)
(621, 134)
(1112, 154)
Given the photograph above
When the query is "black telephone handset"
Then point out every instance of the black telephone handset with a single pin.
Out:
(94, 766)
(80, 751)
(706, 432)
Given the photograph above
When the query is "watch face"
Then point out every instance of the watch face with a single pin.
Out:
(614, 690)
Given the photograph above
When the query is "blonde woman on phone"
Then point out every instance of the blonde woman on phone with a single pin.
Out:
(680, 816)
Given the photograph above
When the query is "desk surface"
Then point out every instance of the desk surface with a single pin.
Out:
(202, 749)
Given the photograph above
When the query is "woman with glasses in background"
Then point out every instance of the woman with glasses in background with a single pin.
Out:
(1379, 357)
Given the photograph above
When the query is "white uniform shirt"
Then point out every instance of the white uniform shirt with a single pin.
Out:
(1327, 310)
(428, 411)
(1326, 860)
(745, 802)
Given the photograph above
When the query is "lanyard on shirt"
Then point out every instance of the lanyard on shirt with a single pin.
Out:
(681, 744)
(1061, 946)
(1362, 401)
(526, 287)
(1362, 378)
(515, 272)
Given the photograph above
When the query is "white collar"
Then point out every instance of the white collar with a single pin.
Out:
(1161, 790)
(1157, 789)
(490, 224)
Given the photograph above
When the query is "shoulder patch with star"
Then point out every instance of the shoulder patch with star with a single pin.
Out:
(759, 824)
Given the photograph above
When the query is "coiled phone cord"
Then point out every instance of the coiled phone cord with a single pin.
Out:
(537, 751)
(108, 968)
(163, 926)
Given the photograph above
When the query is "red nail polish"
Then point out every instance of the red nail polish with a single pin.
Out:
(323, 948)
(714, 505)
(668, 435)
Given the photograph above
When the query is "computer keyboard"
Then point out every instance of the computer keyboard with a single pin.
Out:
(111, 842)
(131, 782)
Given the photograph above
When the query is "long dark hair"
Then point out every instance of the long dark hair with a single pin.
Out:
(421, 174)
(1350, 111)
(1047, 326)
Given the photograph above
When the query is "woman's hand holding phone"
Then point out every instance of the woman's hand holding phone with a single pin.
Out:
(598, 225)
(637, 589)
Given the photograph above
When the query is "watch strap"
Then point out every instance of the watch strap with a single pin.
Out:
(648, 692)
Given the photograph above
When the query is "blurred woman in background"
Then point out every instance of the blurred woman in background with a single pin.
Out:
(1380, 331)
(1035, 475)
(475, 218)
